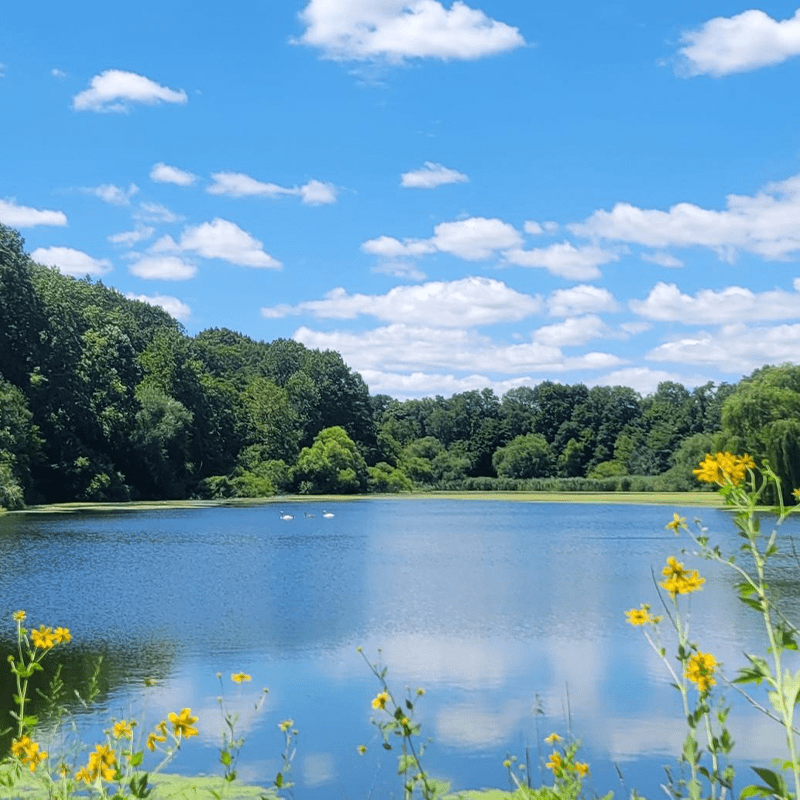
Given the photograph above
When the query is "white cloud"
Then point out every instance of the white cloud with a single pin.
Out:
(58, 73)
(17, 216)
(115, 90)
(171, 305)
(317, 193)
(113, 195)
(431, 175)
(155, 212)
(237, 184)
(737, 348)
(163, 268)
(564, 259)
(389, 247)
(394, 30)
(130, 238)
(581, 299)
(662, 259)
(71, 262)
(642, 379)
(475, 238)
(227, 241)
(399, 268)
(472, 239)
(667, 303)
(747, 41)
(572, 331)
(164, 173)
(765, 223)
(469, 302)
(634, 328)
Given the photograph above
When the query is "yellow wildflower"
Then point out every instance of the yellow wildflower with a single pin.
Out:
(33, 756)
(62, 635)
(640, 616)
(19, 616)
(507, 763)
(553, 737)
(700, 671)
(581, 768)
(677, 523)
(19, 746)
(724, 468)
(43, 638)
(380, 700)
(556, 763)
(679, 580)
(362, 748)
(123, 729)
(182, 723)
(238, 677)
(286, 724)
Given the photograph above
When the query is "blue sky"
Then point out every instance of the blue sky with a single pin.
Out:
(451, 195)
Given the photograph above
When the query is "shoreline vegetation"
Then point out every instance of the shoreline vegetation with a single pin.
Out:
(107, 399)
(683, 499)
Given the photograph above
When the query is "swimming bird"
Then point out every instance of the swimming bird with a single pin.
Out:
(286, 516)
(327, 514)
(307, 515)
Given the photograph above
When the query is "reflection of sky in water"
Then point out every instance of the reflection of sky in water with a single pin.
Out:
(509, 614)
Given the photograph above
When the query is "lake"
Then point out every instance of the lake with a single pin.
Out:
(509, 614)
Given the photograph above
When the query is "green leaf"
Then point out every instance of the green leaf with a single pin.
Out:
(225, 758)
(279, 780)
(136, 759)
(774, 781)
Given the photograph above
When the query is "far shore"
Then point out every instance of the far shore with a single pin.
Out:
(682, 499)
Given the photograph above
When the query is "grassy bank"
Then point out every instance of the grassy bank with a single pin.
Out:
(682, 499)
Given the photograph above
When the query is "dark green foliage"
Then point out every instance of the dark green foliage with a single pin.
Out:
(524, 457)
(332, 465)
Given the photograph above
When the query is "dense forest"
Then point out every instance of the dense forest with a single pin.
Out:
(105, 398)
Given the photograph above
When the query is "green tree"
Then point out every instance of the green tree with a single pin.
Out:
(527, 456)
(332, 465)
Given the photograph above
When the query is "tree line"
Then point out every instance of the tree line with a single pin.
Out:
(108, 399)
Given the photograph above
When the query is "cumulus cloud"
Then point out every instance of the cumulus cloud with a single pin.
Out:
(736, 348)
(572, 331)
(469, 302)
(744, 42)
(70, 261)
(174, 307)
(396, 30)
(227, 241)
(164, 173)
(116, 90)
(581, 299)
(431, 175)
(130, 238)
(17, 216)
(564, 259)
(643, 379)
(406, 349)
(472, 239)
(667, 303)
(113, 195)
(237, 184)
(662, 259)
(155, 212)
(764, 224)
(163, 268)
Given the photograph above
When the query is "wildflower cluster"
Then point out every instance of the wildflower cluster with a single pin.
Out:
(28, 752)
(568, 772)
(642, 616)
(724, 468)
(679, 580)
(700, 670)
(102, 764)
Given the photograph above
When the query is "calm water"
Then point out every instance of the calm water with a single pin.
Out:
(509, 614)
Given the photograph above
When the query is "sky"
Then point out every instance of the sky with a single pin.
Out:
(453, 196)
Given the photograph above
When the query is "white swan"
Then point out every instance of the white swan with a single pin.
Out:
(286, 516)
(327, 514)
